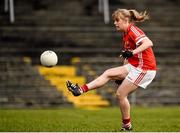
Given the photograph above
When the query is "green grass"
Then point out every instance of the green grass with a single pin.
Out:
(106, 120)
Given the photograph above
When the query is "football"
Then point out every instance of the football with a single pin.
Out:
(49, 58)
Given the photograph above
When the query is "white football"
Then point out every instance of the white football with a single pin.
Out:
(49, 58)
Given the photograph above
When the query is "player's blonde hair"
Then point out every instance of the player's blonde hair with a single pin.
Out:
(132, 15)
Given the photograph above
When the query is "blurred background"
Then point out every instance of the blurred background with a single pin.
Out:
(82, 34)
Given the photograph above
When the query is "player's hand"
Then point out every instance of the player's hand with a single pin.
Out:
(127, 54)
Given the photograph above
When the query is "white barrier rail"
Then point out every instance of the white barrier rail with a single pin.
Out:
(9, 6)
(103, 7)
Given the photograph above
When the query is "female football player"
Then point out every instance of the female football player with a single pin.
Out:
(139, 67)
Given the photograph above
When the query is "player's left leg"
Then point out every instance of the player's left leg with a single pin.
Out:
(122, 93)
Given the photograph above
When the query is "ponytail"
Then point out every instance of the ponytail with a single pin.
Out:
(132, 15)
(138, 17)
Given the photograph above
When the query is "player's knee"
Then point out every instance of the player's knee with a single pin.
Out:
(120, 95)
(107, 73)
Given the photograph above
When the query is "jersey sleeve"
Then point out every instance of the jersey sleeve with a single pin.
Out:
(136, 34)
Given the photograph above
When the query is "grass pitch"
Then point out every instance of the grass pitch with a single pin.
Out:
(77, 120)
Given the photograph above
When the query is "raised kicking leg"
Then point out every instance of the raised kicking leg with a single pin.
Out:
(112, 73)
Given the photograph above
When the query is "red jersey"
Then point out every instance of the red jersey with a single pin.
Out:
(131, 40)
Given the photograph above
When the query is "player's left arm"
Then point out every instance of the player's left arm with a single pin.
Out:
(143, 45)
(125, 62)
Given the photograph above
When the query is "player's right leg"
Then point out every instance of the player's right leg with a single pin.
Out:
(112, 73)
(75, 89)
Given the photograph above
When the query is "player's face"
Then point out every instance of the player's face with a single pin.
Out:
(120, 24)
